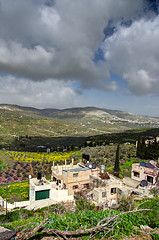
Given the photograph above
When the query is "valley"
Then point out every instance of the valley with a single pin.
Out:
(33, 140)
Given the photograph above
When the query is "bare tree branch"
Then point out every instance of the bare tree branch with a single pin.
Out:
(108, 226)
(142, 204)
(26, 235)
(90, 230)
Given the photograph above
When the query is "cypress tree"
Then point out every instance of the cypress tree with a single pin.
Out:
(143, 148)
(116, 166)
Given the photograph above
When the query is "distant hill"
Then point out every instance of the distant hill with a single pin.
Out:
(16, 121)
(96, 119)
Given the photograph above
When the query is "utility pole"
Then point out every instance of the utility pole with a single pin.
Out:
(6, 197)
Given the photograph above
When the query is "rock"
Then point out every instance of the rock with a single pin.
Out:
(145, 228)
(6, 234)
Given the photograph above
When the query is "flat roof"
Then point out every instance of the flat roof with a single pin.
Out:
(76, 169)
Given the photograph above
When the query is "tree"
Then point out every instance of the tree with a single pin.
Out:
(116, 166)
(141, 148)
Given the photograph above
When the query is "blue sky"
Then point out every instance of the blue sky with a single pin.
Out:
(66, 53)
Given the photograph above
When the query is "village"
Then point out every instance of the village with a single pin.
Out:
(71, 181)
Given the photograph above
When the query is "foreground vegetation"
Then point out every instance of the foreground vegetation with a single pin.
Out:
(58, 218)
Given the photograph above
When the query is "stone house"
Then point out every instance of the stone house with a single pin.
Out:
(107, 189)
(72, 177)
(148, 171)
(151, 139)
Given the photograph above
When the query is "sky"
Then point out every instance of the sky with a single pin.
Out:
(78, 53)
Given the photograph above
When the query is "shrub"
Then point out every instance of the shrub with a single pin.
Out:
(154, 191)
(126, 203)
(155, 236)
(84, 205)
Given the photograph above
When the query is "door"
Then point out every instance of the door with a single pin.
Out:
(39, 195)
(150, 179)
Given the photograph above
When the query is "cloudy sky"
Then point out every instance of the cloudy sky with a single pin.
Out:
(76, 53)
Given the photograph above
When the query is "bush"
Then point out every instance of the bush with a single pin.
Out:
(55, 208)
(84, 205)
(152, 217)
(154, 191)
(126, 203)
(155, 236)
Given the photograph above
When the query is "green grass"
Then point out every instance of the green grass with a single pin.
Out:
(125, 224)
(18, 191)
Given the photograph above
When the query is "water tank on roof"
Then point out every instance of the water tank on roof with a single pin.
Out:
(152, 162)
(87, 157)
(94, 165)
(39, 176)
(149, 165)
(143, 183)
(90, 165)
(102, 167)
(143, 164)
(87, 164)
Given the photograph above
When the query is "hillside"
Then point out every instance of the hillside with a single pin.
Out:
(96, 119)
(68, 125)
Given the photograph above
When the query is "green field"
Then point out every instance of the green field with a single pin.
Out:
(34, 156)
(18, 191)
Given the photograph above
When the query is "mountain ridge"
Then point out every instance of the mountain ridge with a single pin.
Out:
(74, 109)
(64, 126)
(96, 119)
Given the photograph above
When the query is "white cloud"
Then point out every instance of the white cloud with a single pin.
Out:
(133, 53)
(50, 93)
(38, 41)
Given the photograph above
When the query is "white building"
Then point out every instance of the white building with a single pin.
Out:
(42, 189)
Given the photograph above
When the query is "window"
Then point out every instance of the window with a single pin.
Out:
(150, 179)
(75, 174)
(86, 185)
(75, 186)
(113, 190)
(136, 174)
(103, 194)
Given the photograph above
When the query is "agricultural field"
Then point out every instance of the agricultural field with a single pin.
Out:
(34, 156)
(17, 166)
(18, 191)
